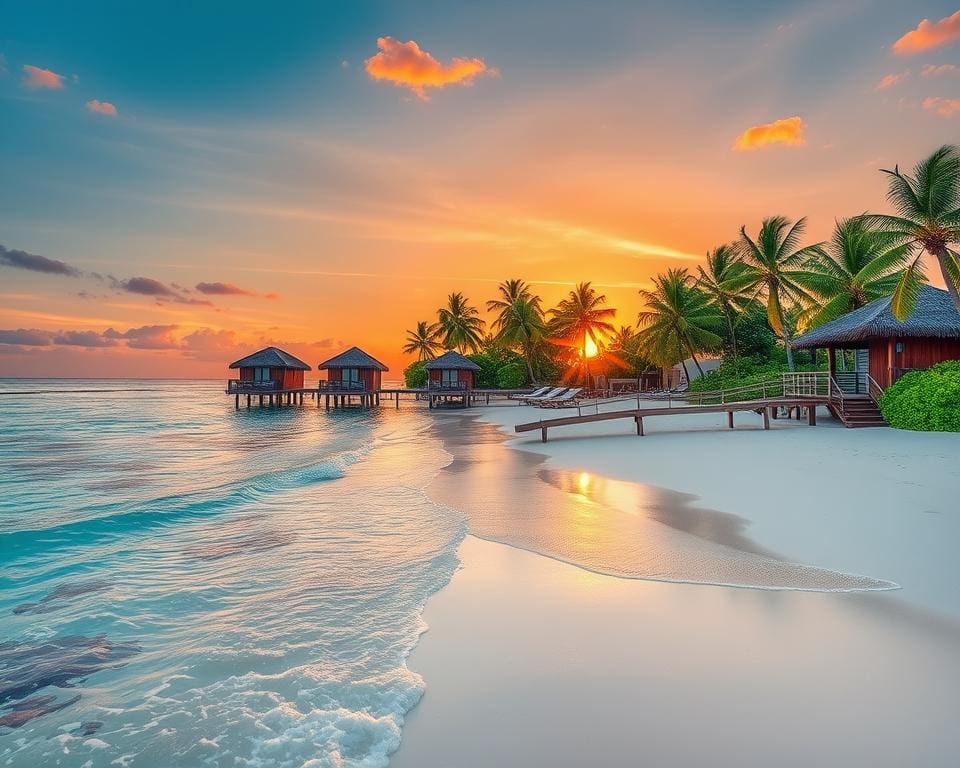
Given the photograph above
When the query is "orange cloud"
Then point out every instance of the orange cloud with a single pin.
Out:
(943, 107)
(787, 131)
(929, 35)
(407, 65)
(888, 81)
(102, 108)
(35, 78)
(932, 70)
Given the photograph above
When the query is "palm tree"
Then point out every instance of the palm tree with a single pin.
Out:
(928, 208)
(858, 264)
(460, 324)
(778, 269)
(581, 320)
(521, 324)
(729, 283)
(423, 341)
(680, 320)
(510, 292)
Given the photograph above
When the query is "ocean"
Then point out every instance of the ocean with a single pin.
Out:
(184, 584)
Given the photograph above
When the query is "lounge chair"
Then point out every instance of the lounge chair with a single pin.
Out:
(565, 400)
(535, 393)
(546, 395)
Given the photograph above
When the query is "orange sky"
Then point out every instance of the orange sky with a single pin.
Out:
(336, 196)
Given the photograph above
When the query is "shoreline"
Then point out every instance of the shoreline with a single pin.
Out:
(519, 673)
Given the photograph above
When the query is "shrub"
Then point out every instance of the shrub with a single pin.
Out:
(512, 376)
(415, 375)
(927, 401)
(486, 377)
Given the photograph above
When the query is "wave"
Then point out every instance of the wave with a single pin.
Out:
(115, 520)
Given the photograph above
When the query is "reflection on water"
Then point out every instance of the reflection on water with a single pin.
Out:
(612, 527)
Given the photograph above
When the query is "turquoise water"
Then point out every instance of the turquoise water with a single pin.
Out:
(184, 584)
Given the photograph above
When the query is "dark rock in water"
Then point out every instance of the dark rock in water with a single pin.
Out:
(22, 712)
(62, 592)
(26, 668)
(88, 728)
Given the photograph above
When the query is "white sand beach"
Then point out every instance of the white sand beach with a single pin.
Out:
(533, 661)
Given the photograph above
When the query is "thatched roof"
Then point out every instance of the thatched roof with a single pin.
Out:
(935, 316)
(270, 357)
(452, 361)
(352, 358)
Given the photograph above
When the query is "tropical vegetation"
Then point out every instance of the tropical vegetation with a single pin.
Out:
(925, 400)
(744, 304)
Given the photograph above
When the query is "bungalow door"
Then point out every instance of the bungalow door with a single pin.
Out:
(262, 378)
(449, 379)
(350, 377)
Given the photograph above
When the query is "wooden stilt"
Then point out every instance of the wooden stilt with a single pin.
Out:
(639, 425)
(543, 435)
(766, 418)
(812, 415)
(237, 404)
(261, 401)
(248, 402)
(730, 419)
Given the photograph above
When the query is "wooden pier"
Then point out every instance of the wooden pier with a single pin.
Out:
(768, 407)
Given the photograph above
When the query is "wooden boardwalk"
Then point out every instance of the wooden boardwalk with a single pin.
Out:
(767, 407)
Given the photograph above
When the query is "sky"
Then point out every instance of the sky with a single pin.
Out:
(183, 183)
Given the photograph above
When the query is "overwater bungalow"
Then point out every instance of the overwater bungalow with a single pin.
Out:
(350, 374)
(884, 348)
(268, 370)
(450, 378)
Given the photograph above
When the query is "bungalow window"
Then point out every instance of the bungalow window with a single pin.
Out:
(449, 377)
(351, 375)
(261, 374)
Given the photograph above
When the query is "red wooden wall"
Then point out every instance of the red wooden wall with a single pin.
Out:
(915, 353)
(289, 378)
(371, 377)
(463, 377)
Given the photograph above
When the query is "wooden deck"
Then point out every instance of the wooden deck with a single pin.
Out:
(767, 407)
(340, 398)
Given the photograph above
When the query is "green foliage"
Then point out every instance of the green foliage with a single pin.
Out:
(415, 374)
(512, 376)
(754, 336)
(486, 377)
(927, 401)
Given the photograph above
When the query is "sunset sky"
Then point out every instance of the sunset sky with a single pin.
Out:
(183, 183)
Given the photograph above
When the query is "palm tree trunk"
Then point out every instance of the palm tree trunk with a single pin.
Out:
(528, 353)
(733, 333)
(942, 259)
(686, 372)
(693, 356)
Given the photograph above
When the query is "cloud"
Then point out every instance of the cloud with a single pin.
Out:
(146, 336)
(407, 65)
(83, 339)
(787, 131)
(223, 289)
(102, 108)
(933, 70)
(36, 78)
(888, 81)
(941, 106)
(148, 286)
(34, 263)
(929, 35)
(26, 337)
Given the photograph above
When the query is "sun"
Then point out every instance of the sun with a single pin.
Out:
(590, 347)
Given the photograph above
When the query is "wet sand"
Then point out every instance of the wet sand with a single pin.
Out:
(534, 661)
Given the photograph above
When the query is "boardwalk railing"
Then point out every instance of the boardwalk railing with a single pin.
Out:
(439, 386)
(240, 386)
(341, 387)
